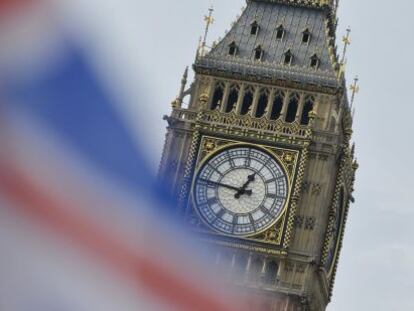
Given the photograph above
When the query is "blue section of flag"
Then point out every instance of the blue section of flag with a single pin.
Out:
(71, 102)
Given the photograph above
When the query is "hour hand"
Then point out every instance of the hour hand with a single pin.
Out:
(242, 190)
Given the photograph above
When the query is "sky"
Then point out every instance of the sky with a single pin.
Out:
(149, 44)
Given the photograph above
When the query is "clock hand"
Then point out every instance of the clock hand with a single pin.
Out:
(243, 190)
(220, 184)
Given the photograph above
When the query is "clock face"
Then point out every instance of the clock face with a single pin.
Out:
(241, 191)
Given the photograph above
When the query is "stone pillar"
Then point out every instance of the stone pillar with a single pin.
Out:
(249, 263)
(240, 100)
(253, 107)
(233, 261)
(263, 272)
(285, 106)
(224, 100)
(269, 106)
(300, 108)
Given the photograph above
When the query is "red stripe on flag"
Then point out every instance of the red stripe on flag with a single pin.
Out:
(7, 6)
(56, 216)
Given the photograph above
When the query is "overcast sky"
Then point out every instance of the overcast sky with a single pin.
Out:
(151, 42)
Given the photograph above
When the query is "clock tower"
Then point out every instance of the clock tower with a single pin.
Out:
(260, 158)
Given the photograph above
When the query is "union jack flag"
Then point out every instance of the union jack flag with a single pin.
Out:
(83, 223)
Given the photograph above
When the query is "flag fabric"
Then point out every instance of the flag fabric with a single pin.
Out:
(83, 224)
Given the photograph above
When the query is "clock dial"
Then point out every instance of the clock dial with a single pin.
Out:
(241, 191)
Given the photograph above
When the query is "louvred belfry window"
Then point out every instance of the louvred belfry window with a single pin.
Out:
(277, 106)
(217, 96)
(292, 108)
(307, 108)
(233, 98)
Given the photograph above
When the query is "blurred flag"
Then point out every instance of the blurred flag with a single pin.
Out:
(83, 225)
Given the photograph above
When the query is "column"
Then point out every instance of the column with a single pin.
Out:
(263, 272)
(247, 271)
(240, 99)
(253, 107)
(285, 106)
(224, 100)
(233, 261)
(270, 103)
(300, 108)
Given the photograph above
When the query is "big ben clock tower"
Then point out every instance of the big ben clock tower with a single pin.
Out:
(260, 160)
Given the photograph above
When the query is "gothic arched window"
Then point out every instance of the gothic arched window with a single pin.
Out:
(233, 49)
(292, 108)
(280, 32)
(288, 58)
(258, 53)
(262, 103)
(217, 96)
(233, 98)
(254, 30)
(314, 61)
(307, 108)
(277, 106)
(306, 36)
(271, 273)
(247, 100)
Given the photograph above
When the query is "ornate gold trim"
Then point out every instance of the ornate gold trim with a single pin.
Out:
(289, 158)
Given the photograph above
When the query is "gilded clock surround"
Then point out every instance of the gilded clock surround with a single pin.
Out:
(289, 160)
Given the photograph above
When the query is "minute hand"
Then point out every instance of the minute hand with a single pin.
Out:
(220, 184)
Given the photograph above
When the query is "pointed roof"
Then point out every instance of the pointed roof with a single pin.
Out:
(270, 15)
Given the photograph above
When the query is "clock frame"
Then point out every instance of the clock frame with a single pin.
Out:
(279, 233)
(252, 212)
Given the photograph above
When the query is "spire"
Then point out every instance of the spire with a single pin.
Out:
(347, 41)
(183, 85)
(209, 20)
(354, 89)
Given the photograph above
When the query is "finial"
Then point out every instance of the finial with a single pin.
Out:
(180, 97)
(354, 89)
(209, 20)
(198, 52)
(353, 150)
(347, 41)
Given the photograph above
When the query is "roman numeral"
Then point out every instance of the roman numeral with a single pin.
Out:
(274, 196)
(274, 179)
(252, 222)
(212, 201)
(264, 165)
(215, 169)
(221, 213)
(248, 159)
(265, 210)
(232, 164)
